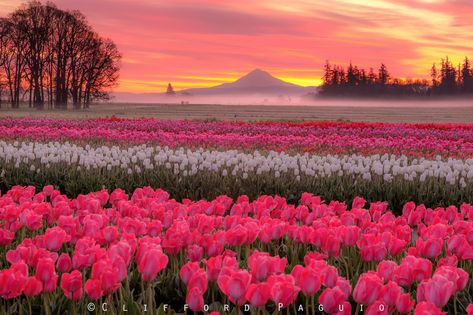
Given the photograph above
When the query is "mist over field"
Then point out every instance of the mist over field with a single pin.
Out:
(308, 100)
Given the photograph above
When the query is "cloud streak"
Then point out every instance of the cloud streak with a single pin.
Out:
(201, 43)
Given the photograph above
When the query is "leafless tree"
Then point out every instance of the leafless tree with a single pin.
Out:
(50, 56)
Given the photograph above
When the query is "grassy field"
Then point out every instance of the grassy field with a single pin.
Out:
(441, 113)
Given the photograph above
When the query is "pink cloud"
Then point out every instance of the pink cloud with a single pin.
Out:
(198, 43)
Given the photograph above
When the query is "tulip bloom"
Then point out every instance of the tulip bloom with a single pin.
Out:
(258, 294)
(93, 288)
(332, 299)
(46, 274)
(33, 287)
(64, 263)
(404, 303)
(367, 289)
(152, 263)
(195, 299)
(234, 284)
(71, 284)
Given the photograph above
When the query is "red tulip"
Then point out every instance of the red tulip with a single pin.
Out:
(437, 291)
(71, 284)
(199, 280)
(258, 294)
(386, 270)
(234, 284)
(469, 309)
(329, 276)
(110, 233)
(12, 283)
(195, 299)
(283, 290)
(404, 303)
(390, 293)
(236, 236)
(430, 248)
(64, 263)
(427, 308)
(371, 248)
(195, 252)
(307, 279)
(55, 237)
(377, 308)
(188, 270)
(93, 288)
(263, 265)
(6, 237)
(367, 289)
(33, 287)
(46, 274)
(332, 300)
(349, 235)
(214, 264)
(152, 263)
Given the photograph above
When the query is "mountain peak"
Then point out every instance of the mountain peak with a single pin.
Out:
(254, 82)
(259, 78)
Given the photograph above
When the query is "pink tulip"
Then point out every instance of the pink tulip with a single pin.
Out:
(93, 288)
(283, 289)
(188, 270)
(367, 289)
(64, 263)
(427, 308)
(33, 287)
(404, 303)
(153, 262)
(331, 299)
(258, 294)
(234, 284)
(195, 299)
(71, 284)
(46, 274)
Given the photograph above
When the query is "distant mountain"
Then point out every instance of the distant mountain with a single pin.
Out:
(257, 86)
(257, 82)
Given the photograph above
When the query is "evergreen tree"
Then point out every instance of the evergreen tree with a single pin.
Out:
(434, 75)
(170, 90)
(466, 76)
(383, 75)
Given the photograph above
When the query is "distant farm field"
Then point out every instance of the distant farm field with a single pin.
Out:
(419, 112)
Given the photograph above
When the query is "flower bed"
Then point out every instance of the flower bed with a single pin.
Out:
(419, 140)
(202, 173)
(114, 251)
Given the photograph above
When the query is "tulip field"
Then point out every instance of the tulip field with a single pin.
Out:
(148, 216)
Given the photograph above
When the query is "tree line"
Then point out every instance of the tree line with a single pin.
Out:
(51, 57)
(358, 82)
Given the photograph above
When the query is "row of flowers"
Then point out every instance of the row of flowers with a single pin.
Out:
(323, 138)
(61, 253)
(38, 155)
(203, 173)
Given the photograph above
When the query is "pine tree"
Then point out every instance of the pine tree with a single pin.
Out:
(170, 90)
(466, 76)
(383, 76)
(434, 75)
(327, 74)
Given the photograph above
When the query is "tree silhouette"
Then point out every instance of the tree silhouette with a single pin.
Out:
(383, 74)
(466, 76)
(170, 90)
(50, 56)
(357, 82)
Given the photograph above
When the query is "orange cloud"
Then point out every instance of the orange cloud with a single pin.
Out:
(207, 42)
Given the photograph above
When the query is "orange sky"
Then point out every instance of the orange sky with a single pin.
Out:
(207, 42)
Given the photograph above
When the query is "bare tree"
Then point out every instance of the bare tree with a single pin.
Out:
(51, 56)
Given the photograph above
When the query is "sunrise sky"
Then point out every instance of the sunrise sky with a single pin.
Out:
(208, 42)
